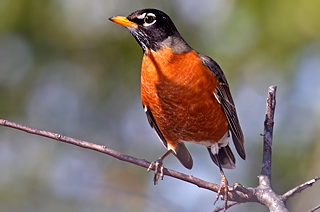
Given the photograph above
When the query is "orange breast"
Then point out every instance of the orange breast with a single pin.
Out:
(179, 91)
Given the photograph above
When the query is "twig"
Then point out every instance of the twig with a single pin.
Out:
(268, 133)
(314, 209)
(299, 188)
(265, 193)
(140, 162)
(229, 205)
(245, 195)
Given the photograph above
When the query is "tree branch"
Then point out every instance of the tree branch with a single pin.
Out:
(263, 193)
(229, 205)
(239, 195)
(315, 209)
(299, 188)
(103, 149)
(268, 135)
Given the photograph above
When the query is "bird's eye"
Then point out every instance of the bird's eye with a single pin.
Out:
(149, 19)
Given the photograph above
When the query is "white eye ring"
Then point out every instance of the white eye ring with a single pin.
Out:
(149, 19)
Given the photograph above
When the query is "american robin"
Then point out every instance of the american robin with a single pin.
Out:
(185, 94)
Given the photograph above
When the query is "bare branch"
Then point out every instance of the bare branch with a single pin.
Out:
(315, 209)
(229, 205)
(268, 133)
(235, 195)
(265, 193)
(299, 188)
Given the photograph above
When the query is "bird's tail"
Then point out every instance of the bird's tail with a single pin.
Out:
(225, 156)
(183, 155)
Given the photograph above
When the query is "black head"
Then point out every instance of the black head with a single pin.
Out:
(152, 28)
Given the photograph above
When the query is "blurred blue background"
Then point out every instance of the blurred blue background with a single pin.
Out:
(65, 68)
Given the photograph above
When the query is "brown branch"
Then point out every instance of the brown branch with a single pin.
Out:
(235, 196)
(239, 194)
(263, 193)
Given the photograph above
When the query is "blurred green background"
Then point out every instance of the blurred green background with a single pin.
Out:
(65, 68)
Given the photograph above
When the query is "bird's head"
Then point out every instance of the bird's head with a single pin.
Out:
(152, 28)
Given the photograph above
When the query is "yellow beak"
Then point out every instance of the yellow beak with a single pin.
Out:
(123, 21)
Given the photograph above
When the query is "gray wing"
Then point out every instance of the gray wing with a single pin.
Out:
(227, 104)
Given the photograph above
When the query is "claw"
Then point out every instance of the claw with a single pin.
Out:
(158, 167)
(223, 191)
(158, 170)
(161, 171)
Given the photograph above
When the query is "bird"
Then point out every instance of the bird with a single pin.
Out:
(185, 95)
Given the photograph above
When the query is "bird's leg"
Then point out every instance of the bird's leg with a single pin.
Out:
(158, 167)
(224, 186)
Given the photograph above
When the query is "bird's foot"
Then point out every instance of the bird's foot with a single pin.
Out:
(158, 170)
(223, 191)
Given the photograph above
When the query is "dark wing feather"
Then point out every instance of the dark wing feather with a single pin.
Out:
(226, 101)
(153, 124)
